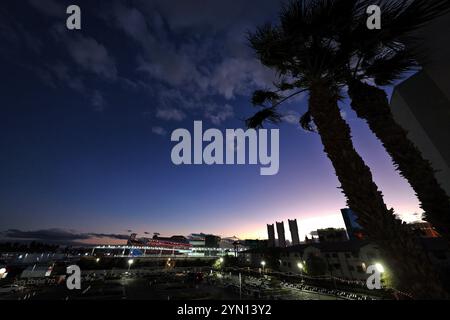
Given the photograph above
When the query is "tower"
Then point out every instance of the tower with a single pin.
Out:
(271, 233)
(293, 227)
(354, 229)
(281, 236)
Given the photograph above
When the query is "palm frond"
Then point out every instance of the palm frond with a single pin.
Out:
(267, 115)
(262, 96)
(284, 85)
(405, 16)
(386, 68)
(307, 123)
(269, 45)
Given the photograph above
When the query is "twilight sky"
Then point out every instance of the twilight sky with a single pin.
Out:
(86, 117)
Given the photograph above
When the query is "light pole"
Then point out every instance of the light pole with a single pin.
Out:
(379, 267)
(263, 263)
(130, 262)
(240, 286)
(301, 267)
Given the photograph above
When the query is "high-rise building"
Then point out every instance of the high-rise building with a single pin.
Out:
(254, 244)
(421, 104)
(332, 235)
(271, 234)
(354, 230)
(212, 241)
(281, 235)
(293, 227)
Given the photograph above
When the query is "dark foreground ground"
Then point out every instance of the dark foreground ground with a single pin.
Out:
(167, 286)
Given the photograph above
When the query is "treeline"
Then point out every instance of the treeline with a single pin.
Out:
(32, 247)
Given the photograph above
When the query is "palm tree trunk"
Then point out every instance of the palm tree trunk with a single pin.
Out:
(371, 104)
(402, 253)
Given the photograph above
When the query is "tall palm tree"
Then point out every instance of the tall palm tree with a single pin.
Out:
(307, 58)
(384, 56)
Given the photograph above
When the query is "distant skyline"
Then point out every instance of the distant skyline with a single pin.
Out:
(86, 117)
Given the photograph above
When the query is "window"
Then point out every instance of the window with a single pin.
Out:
(351, 268)
(335, 255)
(336, 266)
(347, 255)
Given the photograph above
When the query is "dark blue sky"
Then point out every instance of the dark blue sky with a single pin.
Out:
(86, 117)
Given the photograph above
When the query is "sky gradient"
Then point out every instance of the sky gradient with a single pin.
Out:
(86, 117)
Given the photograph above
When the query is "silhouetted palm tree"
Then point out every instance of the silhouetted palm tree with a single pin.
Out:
(305, 51)
(384, 56)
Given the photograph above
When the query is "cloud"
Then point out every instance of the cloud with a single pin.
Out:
(92, 56)
(170, 114)
(292, 117)
(98, 101)
(49, 234)
(28, 49)
(238, 76)
(199, 57)
(198, 60)
(159, 131)
(49, 8)
(58, 235)
(110, 236)
(15, 37)
(63, 74)
(214, 15)
(218, 114)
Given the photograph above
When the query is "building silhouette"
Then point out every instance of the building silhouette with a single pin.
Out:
(281, 235)
(332, 235)
(421, 104)
(293, 227)
(271, 234)
(354, 229)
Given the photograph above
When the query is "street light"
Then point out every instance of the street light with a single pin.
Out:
(301, 267)
(130, 262)
(379, 267)
(263, 263)
(3, 273)
(97, 260)
(221, 260)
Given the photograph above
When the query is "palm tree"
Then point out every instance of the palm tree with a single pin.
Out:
(385, 56)
(307, 58)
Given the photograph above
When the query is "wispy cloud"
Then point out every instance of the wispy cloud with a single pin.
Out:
(98, 101)
(92, 56)
(50, 8)
(292, 117)
(160, 131)
(57, 235)
(196, 58)
(170, 114)
(218, 114)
